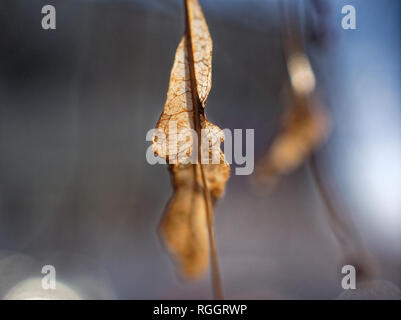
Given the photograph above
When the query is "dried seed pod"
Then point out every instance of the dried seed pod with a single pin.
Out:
(187, 224)
(304, 128)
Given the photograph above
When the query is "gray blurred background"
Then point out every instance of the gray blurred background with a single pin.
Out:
(76, 191)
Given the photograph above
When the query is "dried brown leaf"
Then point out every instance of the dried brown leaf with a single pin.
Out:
(185, 224)
(304, 128)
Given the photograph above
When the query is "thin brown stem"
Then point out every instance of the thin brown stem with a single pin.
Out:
(339, 227)
(198, 111)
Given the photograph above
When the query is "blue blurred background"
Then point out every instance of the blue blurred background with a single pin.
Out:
(76, 191)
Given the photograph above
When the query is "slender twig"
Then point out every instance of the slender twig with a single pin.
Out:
(343, 229)
(198, 110)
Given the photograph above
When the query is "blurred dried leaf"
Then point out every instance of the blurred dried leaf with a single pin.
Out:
(185, 226)
(304, 128)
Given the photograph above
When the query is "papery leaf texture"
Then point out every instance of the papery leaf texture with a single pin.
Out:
(184, 226)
